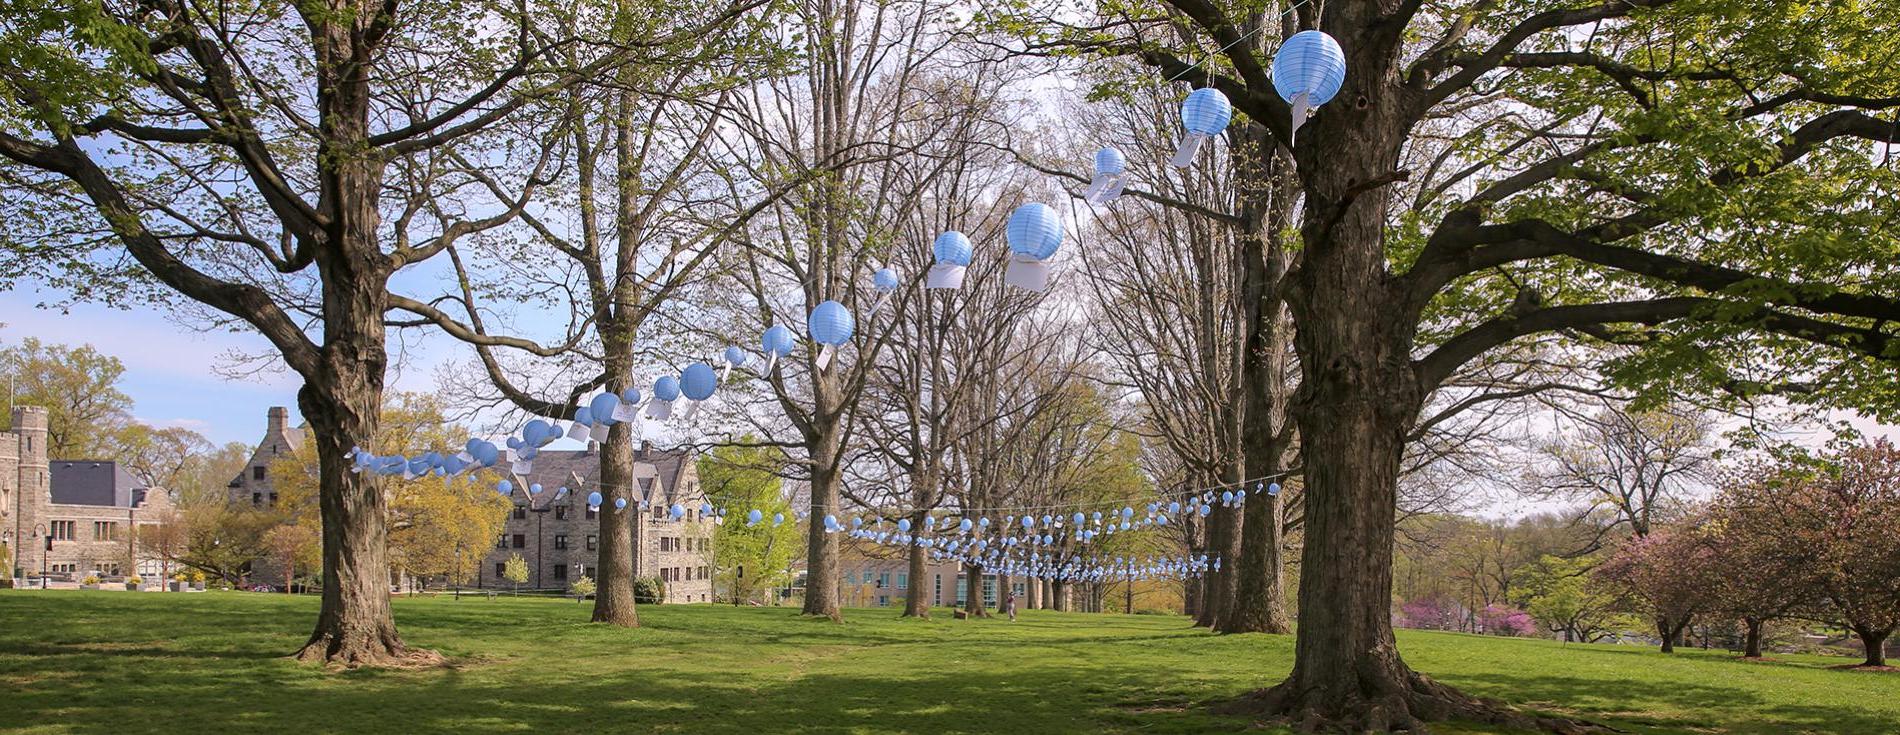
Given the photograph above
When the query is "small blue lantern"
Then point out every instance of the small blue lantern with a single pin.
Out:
(1111, 175)
(752, 517)
(885, 279)
(593, 499)
(734, 357)
(1307, 71)
(602, 408)
(831, 325)
(1205, 114)
(1034, 232)
(777, 342)
(666, 390)
(698, 381)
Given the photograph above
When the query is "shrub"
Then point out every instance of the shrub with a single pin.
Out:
(583, 587)
(648, 590)
(1430, 613)
(1506, 620)
(135, 579)
(90, 579)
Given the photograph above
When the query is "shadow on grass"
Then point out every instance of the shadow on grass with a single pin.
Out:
(1706, 707)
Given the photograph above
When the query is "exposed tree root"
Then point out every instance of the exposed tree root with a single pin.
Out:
(1407, 708)
(357, 651)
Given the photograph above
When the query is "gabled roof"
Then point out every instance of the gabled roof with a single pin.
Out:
(93, 482)
(554, 468)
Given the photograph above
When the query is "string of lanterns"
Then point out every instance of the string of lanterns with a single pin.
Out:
(1308, 71)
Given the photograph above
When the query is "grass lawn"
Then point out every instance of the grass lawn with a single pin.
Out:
(102, 662)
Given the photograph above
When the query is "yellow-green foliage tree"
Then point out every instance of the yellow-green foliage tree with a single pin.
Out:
(741, 478)
(438, 526)
(515, 570)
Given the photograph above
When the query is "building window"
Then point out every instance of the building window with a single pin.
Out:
(257, 473)
(521, 541)
(105, 531)
(903, 580)
(501, 542)
(273, 498)
(521, 512)
(501, 570)
(592, 542)
(591, 513)
(883, 579)
(560, 541)
(560, 572)
(257, 498)
(560, 512)
(63, 530)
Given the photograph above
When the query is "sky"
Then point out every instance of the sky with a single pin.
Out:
(171, 369)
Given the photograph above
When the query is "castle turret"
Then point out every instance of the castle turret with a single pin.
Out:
(32, 486)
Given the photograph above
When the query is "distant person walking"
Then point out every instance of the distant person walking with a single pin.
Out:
(1009, 603)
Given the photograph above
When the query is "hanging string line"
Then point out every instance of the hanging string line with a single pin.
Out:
(1231, 44)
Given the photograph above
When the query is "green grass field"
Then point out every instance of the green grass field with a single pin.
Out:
(100, 662)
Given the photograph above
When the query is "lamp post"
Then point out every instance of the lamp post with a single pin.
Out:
(40, 530)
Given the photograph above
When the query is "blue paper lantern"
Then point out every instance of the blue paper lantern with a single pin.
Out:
(1109, 162)
(584, 416)
(677, 511)
(620, 503)
(1311, 64)
(630, 396)
(1273, 488)
(778, 518)
(705, 509)
(777, 341)
(1206, 112)
(965, 525)
(667, 388)
(885, 279)
(830, 323)
(952, 248)
(593, 499)
(735, 356)
(1029, 522)
(903, 524)
(534, 489)
(505, 487)
(1307, 71)
(698, 381)
(1034, 231)
(752, 517)
(603, 407)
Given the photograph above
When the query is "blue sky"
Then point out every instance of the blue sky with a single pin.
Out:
(170, 369)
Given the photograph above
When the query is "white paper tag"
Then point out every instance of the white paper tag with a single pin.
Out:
(1027, 274)
(944, 275)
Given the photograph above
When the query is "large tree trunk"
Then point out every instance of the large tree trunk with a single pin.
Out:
(821, 548)
(343, 406)
(1751, 640)
(613, 592)
(1212, 602)
(973, 591)
(342, 400)
(1874, 641)
(1226, 582)
(916, 605)
(1259, 604)
(1357, 398)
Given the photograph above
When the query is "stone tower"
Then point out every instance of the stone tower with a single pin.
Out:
(32, 486)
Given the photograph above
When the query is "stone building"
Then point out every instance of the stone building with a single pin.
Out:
(68, 518)
(252, 486)
(559, 537)
(874, 577)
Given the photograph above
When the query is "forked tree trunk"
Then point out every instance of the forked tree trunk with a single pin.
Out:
(342, 400)
(1357, 398)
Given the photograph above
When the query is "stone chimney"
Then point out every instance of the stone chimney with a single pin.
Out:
(279, 419)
